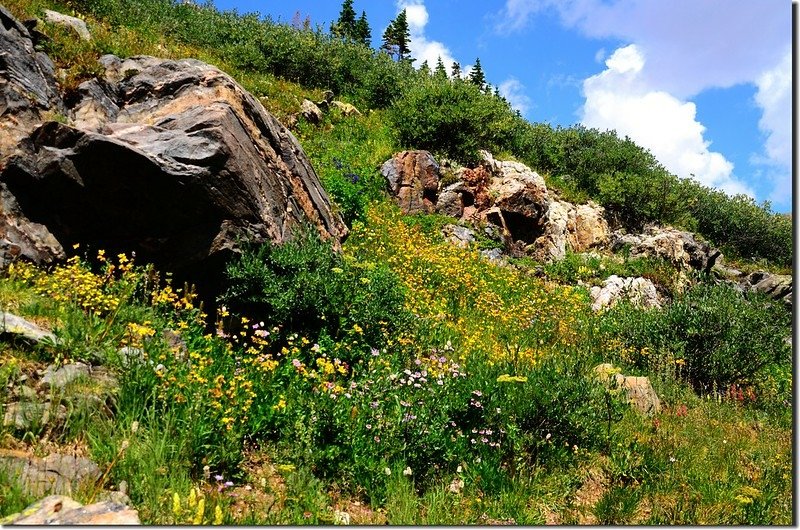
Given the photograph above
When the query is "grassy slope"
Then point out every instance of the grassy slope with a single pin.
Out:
(647, 470)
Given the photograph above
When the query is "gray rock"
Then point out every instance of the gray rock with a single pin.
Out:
(25, 393)
(56, 473)
(450, 203)
(461, 236)
(310, 111)
(15, 325)
(493, 254)
(776, 286)
(58, 378)
(25, 415)
(413, 179)
(681, 248)
(640, 291)
(78, 25)
(29, 87)
(61, 510)
(129, 355)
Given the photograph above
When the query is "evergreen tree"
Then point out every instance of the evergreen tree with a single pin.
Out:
(440, 72)
(476, 76)
(363, 32)
(456, 70)
(345, 27)
(424, 68)
(396, 37)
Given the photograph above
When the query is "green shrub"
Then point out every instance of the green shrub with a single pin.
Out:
(453, 118)
(304, 287)
(717, 336)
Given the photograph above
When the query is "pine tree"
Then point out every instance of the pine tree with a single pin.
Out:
(345, 27)
(476, 76)
(396, 37)
(456, 70)
(424, 68)
(363, 32)
(440, 72)
(388, 41)
(402, 35)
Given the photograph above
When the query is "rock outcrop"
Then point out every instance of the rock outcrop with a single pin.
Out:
(55, 474)
(28, 88)
(640, 291)
(505, 194)
(575, 227)
(171, 159)
(413, 178)
(776, 286)
(682, 249)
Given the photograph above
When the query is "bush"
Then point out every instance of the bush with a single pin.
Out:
(713, 335)
(451, 117)
(304, 287)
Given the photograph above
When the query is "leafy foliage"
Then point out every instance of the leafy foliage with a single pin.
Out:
(715, 335)
(304, 287)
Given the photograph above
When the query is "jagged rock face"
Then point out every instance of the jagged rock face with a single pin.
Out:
(170, 159)
(681, 248)
(27, 84)
(639, 291)
(520, 196)
(570, 227)
(413, 178)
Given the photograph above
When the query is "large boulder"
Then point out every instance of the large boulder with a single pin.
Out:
(171, 159)
(520, 197)
(413, 180)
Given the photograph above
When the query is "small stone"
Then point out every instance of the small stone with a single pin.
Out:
(58, 378)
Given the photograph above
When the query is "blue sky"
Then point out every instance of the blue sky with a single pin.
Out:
(704, 84)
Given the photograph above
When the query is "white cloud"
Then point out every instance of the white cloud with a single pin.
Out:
(423, 49)
(691, 46)
(514, 92)
(774, 96)
(619, 99)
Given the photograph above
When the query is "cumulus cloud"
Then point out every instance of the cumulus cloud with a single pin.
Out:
(774, 96)
(514, 92)
(423, 49)
(619, 99)
(691, 46)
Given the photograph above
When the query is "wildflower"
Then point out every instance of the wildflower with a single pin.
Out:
(217, 515)
(407, 471)
(201, 508)
(387, 471)
(176, 504)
